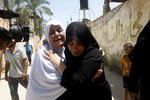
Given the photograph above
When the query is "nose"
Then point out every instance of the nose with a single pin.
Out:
(74, 48)
(57, 33)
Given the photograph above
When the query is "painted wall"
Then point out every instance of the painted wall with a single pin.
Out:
(119, 26)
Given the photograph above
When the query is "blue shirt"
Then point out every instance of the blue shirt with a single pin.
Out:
(28, 47)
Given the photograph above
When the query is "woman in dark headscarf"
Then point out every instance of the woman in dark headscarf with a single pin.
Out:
(83, 60)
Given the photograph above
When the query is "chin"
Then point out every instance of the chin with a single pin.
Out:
(59, 45)
(76, 55)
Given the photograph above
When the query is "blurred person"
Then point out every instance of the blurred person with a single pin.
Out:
(125, 68)
(139, 73)
(40, 43)
(82, 62)
(29, 50)
(5, 38)
(15, 69)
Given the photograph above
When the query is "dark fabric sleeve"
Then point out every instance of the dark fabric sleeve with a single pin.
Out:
(134, 80)
(137, 65)
(84, 73)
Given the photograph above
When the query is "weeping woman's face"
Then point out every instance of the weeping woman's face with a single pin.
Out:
(75, 47)
(56, 36)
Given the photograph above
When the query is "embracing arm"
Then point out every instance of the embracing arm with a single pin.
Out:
(60, 66)
(56, 60)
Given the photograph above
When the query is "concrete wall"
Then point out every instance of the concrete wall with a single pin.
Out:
(119, 26)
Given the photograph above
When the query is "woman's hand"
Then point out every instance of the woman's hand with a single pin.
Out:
(52, 57)
(98, 73)
(56, 60)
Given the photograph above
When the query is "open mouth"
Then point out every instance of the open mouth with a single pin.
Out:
(58, 40)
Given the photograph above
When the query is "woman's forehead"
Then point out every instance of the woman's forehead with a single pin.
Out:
(55, 26)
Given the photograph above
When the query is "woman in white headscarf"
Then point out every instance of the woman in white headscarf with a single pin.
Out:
(44, 80)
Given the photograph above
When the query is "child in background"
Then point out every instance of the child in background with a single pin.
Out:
(125, 68)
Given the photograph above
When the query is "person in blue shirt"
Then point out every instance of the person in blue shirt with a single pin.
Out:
(29, 51)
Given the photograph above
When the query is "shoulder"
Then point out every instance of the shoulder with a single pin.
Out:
(7, 52)
(93, 53)
(41, 50)
(20, 50)
(122, 56)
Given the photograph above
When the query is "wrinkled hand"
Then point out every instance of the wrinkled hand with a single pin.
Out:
(52, 57)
